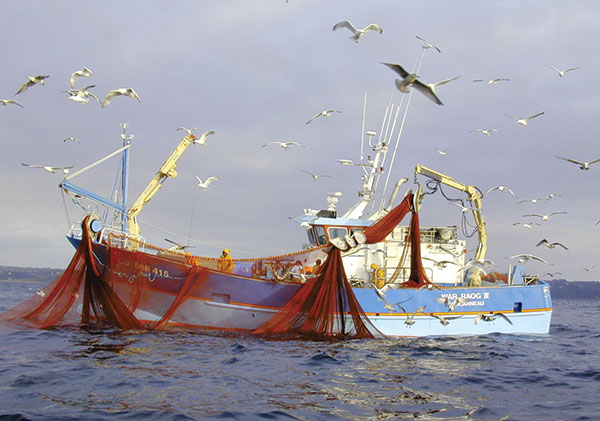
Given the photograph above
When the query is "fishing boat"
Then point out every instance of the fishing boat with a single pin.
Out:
(363, 272)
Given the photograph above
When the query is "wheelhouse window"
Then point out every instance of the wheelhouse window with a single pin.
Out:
(337, 232)
(311, 237)
(321, 237)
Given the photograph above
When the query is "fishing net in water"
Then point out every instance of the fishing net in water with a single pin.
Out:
(323, 307)
(327, 306)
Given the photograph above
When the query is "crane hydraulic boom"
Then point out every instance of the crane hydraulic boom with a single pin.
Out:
(167, 170)
(474, 196)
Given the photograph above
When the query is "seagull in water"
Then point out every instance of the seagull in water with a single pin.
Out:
(486, 132)
(121, 91)
(5, 102)
(410, 79)
(324, 113)
(315, 176)
(357, 33)
(524, 121)
(561, 73)
(545, 217)
(425, 45)
(204, 184)
(32, 80)
(48, 168)
(284, 145)
(544, 242)
(85, 72)
(582, 165)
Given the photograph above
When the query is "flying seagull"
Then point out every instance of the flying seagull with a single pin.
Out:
(324, 113)
(561, 73)
(490, 317)
(85, 72)
(121, 91)
(70, 139)
(176, 246)
(491, 81)
(483, 265)
(545, 217)
(535, 200)
(500, 188)
(425, 45)
(32, 80)
(524, 121)
(202, 139)
(452, 303)
(434, 86)
(315, 176)
(48, 168)
(524, 258)
(82, 95)
(525, 225)
(204, 184)
(544, 242)
(441, 151)
(284, 145)
(5, 102)
(188, 131)
(410, 79)
(357, 33)
(582, 165)
(486, 132)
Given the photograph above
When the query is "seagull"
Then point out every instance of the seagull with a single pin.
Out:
(524, 121)
(500, 188)
(552, 196)
(535, 200)
(176, 246)
(32, 80)
(303, 223)
(441, 151)
(561, 73)
(483, 265)
(490, 317)
(544, 242)
(553, 274)
(491, 81)
(445, 320)
(188, 131)
(410, 79)
(441, 264)
(410, 319)
(204, 184)
(463, 208)
(387, 305)
(425, 45)
(5, 102)
(525, 225)
(357, 33)
(315, 176)
(284, 145)
(486, 132)
(48, 168)
(121, 91)
(324, 113)
(70, 139)
(79, 73)
(202, 139)
(582, 165)
(81, 95)
(545, 217)
(524, 258)
(452, 304)
(434, 86)
(41, 293)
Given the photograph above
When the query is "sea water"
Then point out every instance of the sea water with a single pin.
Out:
(64, 374)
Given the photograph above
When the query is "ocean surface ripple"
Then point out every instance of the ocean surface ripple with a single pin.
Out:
(66, 374)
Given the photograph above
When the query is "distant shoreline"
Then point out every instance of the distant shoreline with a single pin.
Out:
(560, 288)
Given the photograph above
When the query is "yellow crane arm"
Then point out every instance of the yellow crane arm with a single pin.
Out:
(167, 170)
(474, 196)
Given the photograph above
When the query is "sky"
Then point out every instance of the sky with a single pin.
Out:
(256, 72)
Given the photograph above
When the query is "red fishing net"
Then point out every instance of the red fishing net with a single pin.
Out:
(323, 307)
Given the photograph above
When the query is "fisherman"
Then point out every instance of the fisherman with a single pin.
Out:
(316, 267)
(225, 262)
(378, 276)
